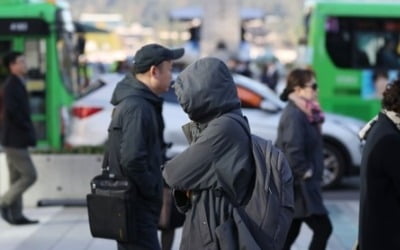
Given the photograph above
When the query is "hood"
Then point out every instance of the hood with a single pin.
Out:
(130, 86)
(206, 90)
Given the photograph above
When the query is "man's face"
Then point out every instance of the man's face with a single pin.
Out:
(19, 66)
(163, 77)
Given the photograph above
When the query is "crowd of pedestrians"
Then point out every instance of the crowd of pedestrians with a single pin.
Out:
(216, 174)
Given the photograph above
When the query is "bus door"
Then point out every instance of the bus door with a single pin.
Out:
(35, 54)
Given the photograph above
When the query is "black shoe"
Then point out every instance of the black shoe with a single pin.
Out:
(23, 221)
(6, 214)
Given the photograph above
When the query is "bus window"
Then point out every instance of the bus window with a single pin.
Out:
(355, 42)
(5, 46)
(68, 63)
(35, 54)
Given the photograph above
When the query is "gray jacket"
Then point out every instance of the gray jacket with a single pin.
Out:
(301, 142)
(218, 157)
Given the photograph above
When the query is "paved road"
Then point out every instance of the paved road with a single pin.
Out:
(348, 190)
(66, 228)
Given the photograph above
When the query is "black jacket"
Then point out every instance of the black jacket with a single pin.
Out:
(301, 142)
(379, 221)
(218, 157)
(136, 142)
(17, 127)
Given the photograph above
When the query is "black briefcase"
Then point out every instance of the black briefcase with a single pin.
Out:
(110, 210)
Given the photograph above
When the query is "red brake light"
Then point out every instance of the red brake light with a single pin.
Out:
(83, 112)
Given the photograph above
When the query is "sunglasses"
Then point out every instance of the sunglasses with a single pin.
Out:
(314, 86)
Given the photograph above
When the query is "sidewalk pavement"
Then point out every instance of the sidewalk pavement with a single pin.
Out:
(66, 228)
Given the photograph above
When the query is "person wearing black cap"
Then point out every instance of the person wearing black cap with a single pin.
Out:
(136, 136)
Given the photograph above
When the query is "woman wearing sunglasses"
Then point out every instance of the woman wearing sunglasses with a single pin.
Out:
(299, 137)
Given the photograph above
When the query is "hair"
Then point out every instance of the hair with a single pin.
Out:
(380, 73)
(10, 58)
(391, 97)
(296, 78)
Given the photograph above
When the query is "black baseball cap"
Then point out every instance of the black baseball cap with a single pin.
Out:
(154, 54)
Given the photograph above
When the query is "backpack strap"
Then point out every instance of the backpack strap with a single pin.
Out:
(247, 130)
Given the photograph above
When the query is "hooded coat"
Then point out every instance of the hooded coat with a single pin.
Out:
(218, 158)
(136, 143)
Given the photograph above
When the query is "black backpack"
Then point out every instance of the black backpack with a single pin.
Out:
(269, 210)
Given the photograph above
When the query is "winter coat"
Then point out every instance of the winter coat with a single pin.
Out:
(218, 158)
(136, 142)
(17, 127)
(301, 142)
(379, 219)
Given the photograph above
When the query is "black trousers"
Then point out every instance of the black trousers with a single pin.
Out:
(147, 240)
(319, 224)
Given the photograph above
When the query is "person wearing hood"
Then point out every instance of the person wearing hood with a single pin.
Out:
(379, 218)
(136, 136)
(218, 162)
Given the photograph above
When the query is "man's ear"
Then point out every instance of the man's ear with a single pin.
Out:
(153, 71)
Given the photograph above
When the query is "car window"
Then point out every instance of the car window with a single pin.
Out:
(248, 98)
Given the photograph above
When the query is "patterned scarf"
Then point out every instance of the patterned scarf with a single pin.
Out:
(311, 108)
(393, 116)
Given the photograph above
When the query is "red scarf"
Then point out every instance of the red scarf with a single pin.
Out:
(311, 108)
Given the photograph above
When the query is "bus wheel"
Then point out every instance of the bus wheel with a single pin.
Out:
(334, 166)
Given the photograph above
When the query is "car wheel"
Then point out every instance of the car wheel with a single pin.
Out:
(334, 165)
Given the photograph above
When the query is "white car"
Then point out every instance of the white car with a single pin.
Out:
(91, 115)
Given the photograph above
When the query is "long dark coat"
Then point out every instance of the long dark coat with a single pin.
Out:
(17, 127)
(379, 220)
(136, 143)
(218, 157)
(301, 142)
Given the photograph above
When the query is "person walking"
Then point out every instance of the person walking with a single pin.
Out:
(136, 136)
(379, 216)
(270, 74)
(218, 162)
(17, 135)
(299, 137)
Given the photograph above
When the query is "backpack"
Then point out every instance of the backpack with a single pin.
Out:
(269, 210)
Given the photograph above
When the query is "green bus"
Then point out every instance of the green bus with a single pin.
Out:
(354, 48)
(44, 32)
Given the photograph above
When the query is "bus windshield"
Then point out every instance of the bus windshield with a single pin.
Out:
(354, 42)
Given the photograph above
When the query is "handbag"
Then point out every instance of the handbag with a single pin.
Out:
(110, 206)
